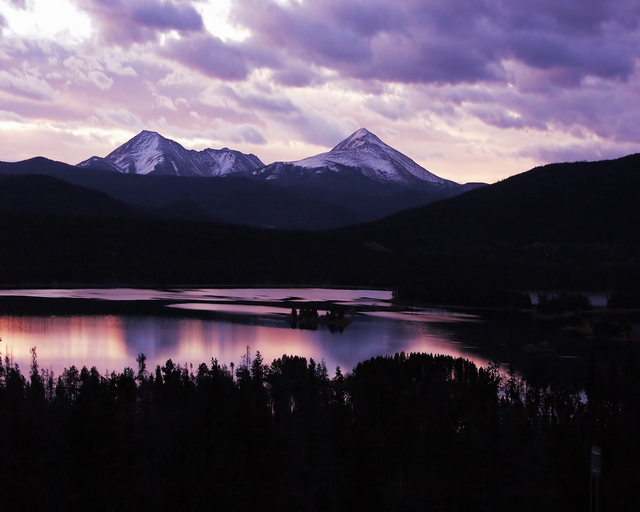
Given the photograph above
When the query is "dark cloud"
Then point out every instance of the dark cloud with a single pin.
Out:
(124, 22)
(265, 102)
(295, 76)
(167, 16)
(367, 17)
(306, 30)
(450, 41)
(572, 17)
(603, 110)
(400, 59)
(211, 56)
(573, 59)
(219, 59)
(500, 117)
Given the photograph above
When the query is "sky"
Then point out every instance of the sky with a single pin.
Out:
(472, 90)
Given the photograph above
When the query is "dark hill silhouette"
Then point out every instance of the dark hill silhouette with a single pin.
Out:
(39, 194)
(571, 226)
(583, 202)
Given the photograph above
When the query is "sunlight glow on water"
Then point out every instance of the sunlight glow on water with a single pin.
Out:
(112, 342)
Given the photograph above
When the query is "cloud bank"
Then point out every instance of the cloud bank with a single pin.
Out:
(479, 89)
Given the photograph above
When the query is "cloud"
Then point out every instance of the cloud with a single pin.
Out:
(450, 41)
(167, 15)
(249, 134)
(268, 101)
(122, 22)
(304, 30)
(391, 108)
(121, 117)
(235, 134)
(570, 60)
(20, 4)
(21, 84)
(368, 17)
(100, 80)
(313, 127)
(501, 117)
(209, 55)
(295, 74)
(88, 71)
(11, 116)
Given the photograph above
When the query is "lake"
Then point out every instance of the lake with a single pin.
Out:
(192, 326)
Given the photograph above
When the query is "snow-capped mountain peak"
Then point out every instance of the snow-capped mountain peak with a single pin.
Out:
(142, 153)
(360, 160)
(369, 156)
(360, 179)
(357, 139)
(149, 152)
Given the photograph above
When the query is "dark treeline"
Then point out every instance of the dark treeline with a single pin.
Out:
(409, 432)
(67, 250)
(81, 250)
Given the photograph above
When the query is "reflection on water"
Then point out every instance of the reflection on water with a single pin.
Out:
(112, 343)
(425, 315)
(356, 297)
(247, 309)
(225, 329)
(62, 341)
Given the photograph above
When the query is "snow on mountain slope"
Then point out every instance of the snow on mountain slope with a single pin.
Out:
(148, 152)
(361, 161)
(368, 155)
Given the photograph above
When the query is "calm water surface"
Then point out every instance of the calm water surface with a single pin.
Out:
(222, 323)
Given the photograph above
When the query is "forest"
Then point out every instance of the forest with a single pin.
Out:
(398, 433)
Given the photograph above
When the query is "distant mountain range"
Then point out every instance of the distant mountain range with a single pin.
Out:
(362, 154)
(151, 153)
(359, 180)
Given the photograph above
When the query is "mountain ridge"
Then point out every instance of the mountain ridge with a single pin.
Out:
(151, 153)
(361, 154)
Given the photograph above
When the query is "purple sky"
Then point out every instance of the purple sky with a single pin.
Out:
(473, 90)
